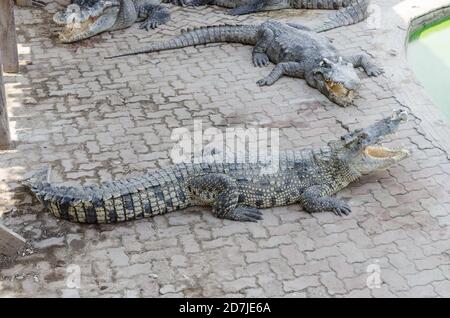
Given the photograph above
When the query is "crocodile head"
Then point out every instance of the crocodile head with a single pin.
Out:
(362, 151)
(336, 79)
(86, 18)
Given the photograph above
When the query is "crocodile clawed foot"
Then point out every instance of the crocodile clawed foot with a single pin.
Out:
(245, 214)
(342, 208)
(260, 59)
(375, 71)
(266, 81)
(147, 25)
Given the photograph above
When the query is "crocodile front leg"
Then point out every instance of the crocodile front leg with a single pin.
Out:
(265, 39)
(316, 199)
(127, 16)
(156, 15)
(363, 60)
(221, 192)
(293, 69)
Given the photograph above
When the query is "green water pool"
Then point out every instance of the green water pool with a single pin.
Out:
(429, 57)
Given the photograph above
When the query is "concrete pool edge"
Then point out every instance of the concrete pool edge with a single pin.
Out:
(429, 17)
(412, 15)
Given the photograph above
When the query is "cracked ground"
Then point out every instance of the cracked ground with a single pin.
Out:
(95, 120)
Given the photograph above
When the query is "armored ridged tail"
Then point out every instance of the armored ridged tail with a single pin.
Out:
(354, 12)
(245, 34)
(151, 194)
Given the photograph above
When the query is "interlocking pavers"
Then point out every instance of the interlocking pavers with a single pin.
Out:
(95, 120)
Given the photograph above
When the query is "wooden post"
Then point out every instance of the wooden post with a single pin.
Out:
(10, 242)
(8, 41)
(5, 137)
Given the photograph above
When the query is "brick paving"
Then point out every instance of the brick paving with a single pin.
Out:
(95, 120)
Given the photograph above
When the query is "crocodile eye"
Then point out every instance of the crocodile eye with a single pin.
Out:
(361, 137)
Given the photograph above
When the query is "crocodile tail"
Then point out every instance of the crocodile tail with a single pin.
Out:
(245, 34)
(111, 202)
(37, 178)
(355, 12)
(62, 202)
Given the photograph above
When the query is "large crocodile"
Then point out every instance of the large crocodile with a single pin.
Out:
(295, 49)
(86, 18)
(348, 11)
(234, 190)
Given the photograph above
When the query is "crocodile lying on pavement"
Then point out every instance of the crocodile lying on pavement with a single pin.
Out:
(296, 50)
(348, 11)
(234, 190)
(86, 18)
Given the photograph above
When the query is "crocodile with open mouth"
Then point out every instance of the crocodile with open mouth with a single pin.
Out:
(234, 190)
(295, 50)
(86, 18)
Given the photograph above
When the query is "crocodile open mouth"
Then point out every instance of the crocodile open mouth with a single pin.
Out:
(87, 23)
(75, 30)
(382, 153)
(339, 90)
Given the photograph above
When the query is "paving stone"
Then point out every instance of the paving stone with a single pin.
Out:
(424, 277)
(341, 267)
(118, 256)
(271, 285)
(351, 252)
(332, 283)
(442, 288)
(382, 292)
(70, 293)
(239, 284)
(402, 263)
(301, 283)
(281, 268)
(359, 293)
(426, 291)
(263, 255)
(322, 253)
(292, 254)
(50, 242)
(133, 270)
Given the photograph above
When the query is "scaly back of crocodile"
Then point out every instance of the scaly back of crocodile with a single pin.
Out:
(157, 192)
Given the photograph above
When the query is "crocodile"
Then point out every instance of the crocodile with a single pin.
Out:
(348, 11)
(296, 50)
(235, 190)
(83, 19)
